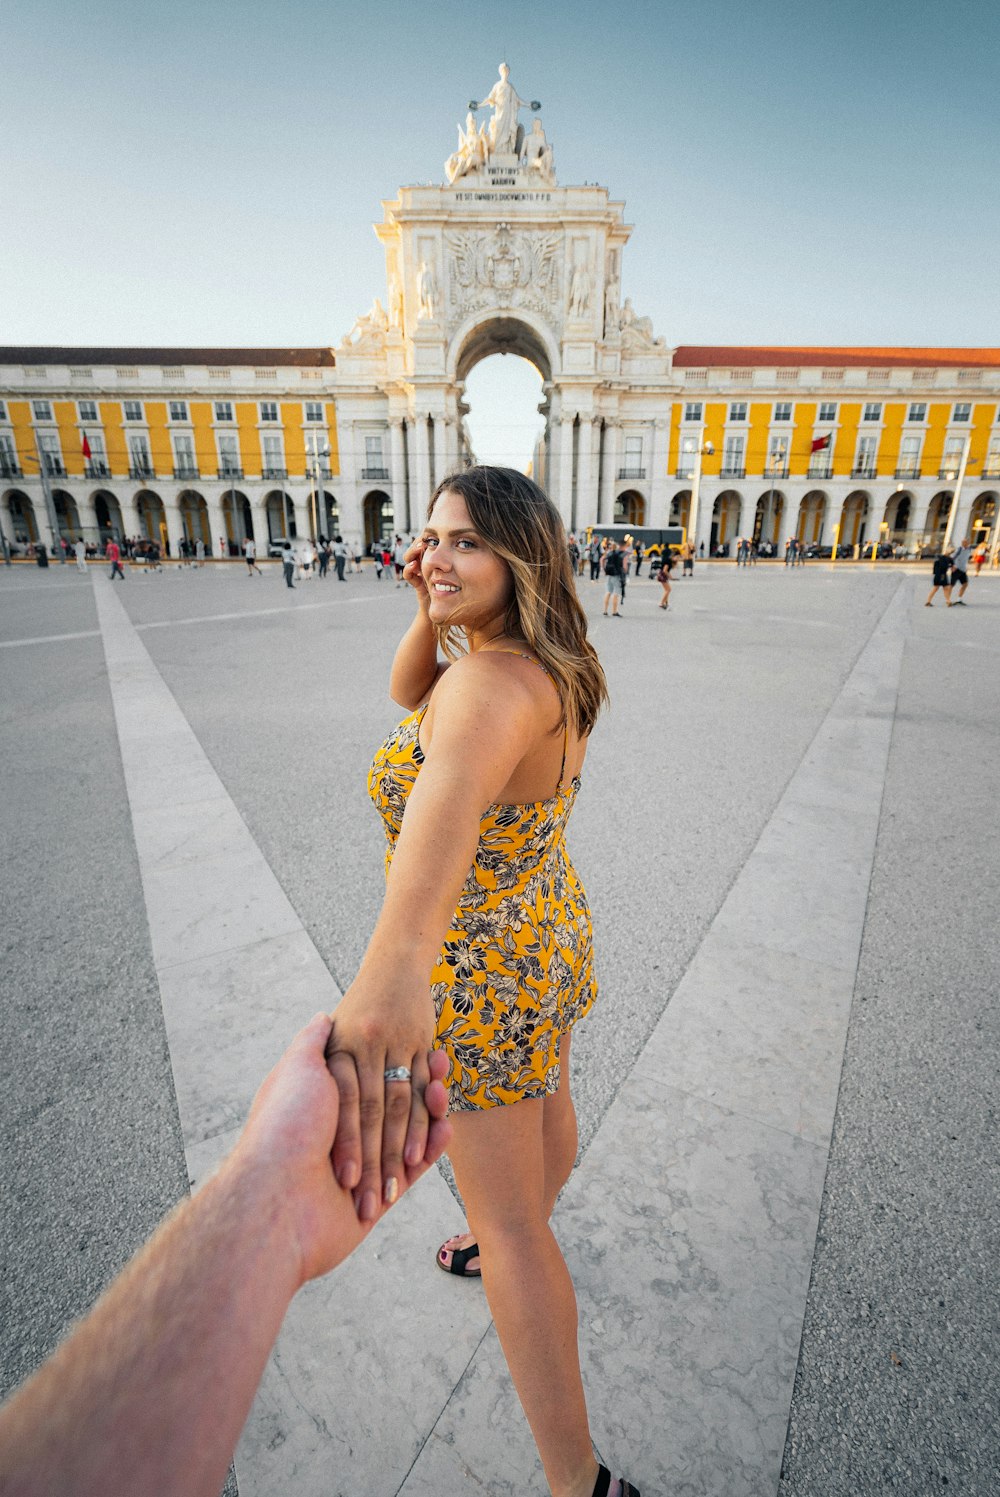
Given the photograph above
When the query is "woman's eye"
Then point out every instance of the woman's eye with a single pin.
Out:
(428, 540)
(471, 544)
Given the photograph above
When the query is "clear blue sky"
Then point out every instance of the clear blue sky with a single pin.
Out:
(209, 172)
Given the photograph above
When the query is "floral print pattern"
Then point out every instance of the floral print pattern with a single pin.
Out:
(517, 965)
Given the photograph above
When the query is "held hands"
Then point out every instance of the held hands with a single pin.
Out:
(387, 1129)
(412, 572)
(290, 1136)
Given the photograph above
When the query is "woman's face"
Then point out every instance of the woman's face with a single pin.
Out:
(468, 584)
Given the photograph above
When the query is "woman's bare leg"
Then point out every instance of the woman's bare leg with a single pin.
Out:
(499, 1161)
(559, 1145)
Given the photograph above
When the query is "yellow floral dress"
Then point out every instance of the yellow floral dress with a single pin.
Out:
(517, 966)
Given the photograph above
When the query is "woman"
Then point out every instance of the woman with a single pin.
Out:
(666, 568)
(483, 944)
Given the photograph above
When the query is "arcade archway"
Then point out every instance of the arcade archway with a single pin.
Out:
(630, 508)
(378, 517)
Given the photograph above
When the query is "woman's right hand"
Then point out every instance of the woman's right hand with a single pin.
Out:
(412, 570)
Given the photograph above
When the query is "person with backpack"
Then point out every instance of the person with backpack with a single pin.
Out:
(614, 573)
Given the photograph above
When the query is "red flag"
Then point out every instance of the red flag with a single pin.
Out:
(820, 443)
(86, 446)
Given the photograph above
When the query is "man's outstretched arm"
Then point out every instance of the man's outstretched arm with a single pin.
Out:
(150, 1392)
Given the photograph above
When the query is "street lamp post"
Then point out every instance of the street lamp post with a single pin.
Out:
(50, 505)
(317, 453)
(956, 496)
(705, 449)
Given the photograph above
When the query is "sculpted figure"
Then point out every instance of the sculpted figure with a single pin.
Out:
(473, 150)
(426, 293)
(536, 153)
(611, 313)
(579, 293)
(505, 104)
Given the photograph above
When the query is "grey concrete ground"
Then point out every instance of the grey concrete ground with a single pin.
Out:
(717, 711)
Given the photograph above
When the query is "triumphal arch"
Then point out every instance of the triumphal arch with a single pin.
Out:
(499, 258)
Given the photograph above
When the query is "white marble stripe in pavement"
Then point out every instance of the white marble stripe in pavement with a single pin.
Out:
(363, 1366)
(48, 639)
(690, 1225)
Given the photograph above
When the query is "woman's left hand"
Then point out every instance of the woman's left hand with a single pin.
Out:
(383, 1125)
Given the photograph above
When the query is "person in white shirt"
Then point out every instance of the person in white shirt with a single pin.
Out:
(250, 552)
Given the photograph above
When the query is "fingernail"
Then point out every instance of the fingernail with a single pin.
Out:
(347, 1176)
(412, 1153)
(391, 1191)
(369, 1206)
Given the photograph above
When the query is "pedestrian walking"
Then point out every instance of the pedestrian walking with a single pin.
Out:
(398, 559)
(941, 579)
(665, 576)
(960, 571)
(379, 563)
(288, 563)
(594, 554)
(324, 555)
(687, 561)
(113, 552)
(339, 556)
(491, 570)
(199, 552)
(250, 552)
(41, 554)
(978, 557)
(614, 578)
(357, 558)
(80, 551)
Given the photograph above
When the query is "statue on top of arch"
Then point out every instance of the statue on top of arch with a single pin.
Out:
(502, 136)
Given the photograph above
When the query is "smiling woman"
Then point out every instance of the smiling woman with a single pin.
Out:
(483, 946)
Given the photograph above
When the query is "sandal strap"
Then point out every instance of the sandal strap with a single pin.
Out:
(603, 1483)
(460, 1258)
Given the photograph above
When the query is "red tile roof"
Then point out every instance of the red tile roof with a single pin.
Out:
(715, 356)
(222, 358)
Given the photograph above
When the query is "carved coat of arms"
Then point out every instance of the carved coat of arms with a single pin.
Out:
(503, 268)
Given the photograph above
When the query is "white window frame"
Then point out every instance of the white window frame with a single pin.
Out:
(873, 406)
(308, 420)
(3, 410)
(269, 405)
(688, 449)
(779, 447)
(130, 406)
(268, 459)
(952, 461)
(182, 459)
(866, 452)
(963, 406)
(82, 409)
(222, 406)
(41, 410)
(734, 452)
(916, 405)
(176, 420)
(139, 454)
(911, 459)
(827, 413)
(738, 411)
(783, 405)
(224, 453)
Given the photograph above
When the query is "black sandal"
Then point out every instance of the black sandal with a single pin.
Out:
(459, 1258)
(603, 1485)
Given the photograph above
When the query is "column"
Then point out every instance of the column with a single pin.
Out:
(397, 470)
(175, 530)
(421, 492)
(612, 443)
(346, 489)
(704, 497)
(659, 497)
(564, 471)
(586, 489)
(216, 525)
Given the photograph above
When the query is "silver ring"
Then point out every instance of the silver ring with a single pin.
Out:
(397, 1073)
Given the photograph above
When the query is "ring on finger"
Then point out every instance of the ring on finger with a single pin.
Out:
(397, 1073)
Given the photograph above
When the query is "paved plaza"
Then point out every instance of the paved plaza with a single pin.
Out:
(783, 1222)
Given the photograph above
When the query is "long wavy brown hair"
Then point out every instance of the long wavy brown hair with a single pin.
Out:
(522, 526)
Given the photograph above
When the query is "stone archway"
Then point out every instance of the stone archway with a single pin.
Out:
(680, 511)
(152, 518)
(280, 513)
(812, 518)
(379, 516)
(854, 519)
(194, 519)
(938, 512)
(24, 525)
(108, 514)
(67, 515)
(630, 508)
(725, 518)
(983, 518)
